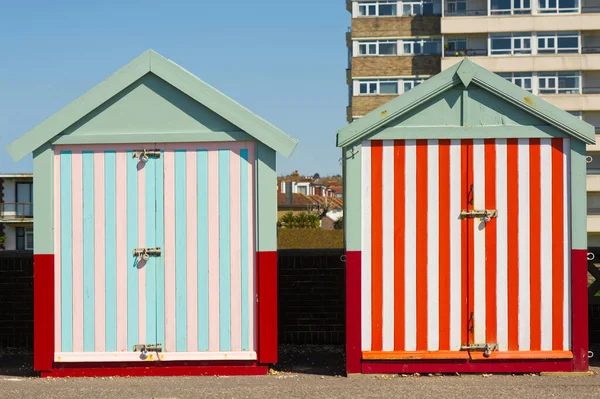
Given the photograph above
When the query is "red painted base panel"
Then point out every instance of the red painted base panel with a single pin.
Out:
(453, 366)
(154, 370)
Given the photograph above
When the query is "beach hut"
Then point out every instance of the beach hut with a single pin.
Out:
(155, 229)
(465, 229)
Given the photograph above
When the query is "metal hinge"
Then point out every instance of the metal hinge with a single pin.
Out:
(486, 215)
(486, 348)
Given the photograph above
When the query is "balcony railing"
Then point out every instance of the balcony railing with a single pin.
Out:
(469, 52)
(591, 90)
(590, 50)
(590, 9)
(16, 210)
(461, 13)
(593, 211)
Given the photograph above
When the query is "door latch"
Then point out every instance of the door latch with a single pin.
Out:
(146, 253)
(145, 348)
(486, 348)
(145, 155)
(486, 215)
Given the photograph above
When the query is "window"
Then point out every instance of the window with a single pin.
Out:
(24, 239)
(456, 44)
(421, 47)
(372, 9)
(387, 9)
(23, 198)
(577, 114)
(558, 6)
(521, 79)
(559, 83)
(388, 48)
(381, 47)
(411, 8)
(367, 88)
(509, 7)
(409, 84)
(551, 43)
(367, 9)
(386, 86)
(517, 43)
(456, 7)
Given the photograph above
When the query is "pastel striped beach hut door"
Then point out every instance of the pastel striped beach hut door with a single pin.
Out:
(436, 284)
(192, 201)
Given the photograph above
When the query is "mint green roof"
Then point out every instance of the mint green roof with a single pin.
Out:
(186, 82)
(466, 73)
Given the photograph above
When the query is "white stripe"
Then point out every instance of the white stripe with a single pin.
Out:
(478, 166)
(546, 244)
(456, 297)
(410, 260)
(388, 245)
(433, 277)
(366, 247)
(567, 254)
(524, 243)
(501, 248)
(105, 357)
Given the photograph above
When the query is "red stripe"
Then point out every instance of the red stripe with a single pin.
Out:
(376, 245)
(512, 194)
(421, 247)
(470, 245)
(444, 243)
(353, 312)
(266, 263)
(464, 163)
(535, 223)
(43, 312)
(490, 242)
(445, 366)
(558, 244)
(579, 306)
(399, 237)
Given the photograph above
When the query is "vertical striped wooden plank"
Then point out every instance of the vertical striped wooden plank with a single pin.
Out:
(457, 249)
(213, 252)
(433, 258)
(546, 244)
(464, 204)
(121, 249)
(235, 243)
(366, 247)
(170, 255)
(469, 268)
(192, 251)
(180, 251)
(66, 234)
(479, 276)
(224, 253)
(512, 194)
(251, 246)
(88, 251)
(524, 245)
(77, 265)
(159, 262)
(535, 217)
(150, 266)
(558, 223)
(244, 251)
(100, 252)
(376, 245)
(203, 257)
(399, 242)
(132, 242)
(421, 248)
(444, 237)
(566, 231)
(490, 242)
(110, 176)
(410, 256)
(501, 245)
(142, 243)
(387, 268)
(57, 254)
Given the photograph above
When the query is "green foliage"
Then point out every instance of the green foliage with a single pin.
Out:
(339, 224)
(309, 238)
(2, 240)
(300, 221)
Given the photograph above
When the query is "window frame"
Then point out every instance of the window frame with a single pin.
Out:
(421, 42)
(556, 78)
(401, 84)
(545, 8)
(555, 49)
(518, 78)
(523, 10)
(518, 37)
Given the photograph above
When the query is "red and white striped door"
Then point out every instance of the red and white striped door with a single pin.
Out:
(433, 281)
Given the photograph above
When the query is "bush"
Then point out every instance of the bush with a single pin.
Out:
(300, 221)
(339, 224)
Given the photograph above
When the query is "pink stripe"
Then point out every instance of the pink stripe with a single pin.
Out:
(251, 249)
(192, 252)
(99, 251)
(170, 337)
(235, 246)
(122, 254)
(142, 264)
(57, 303)
(77, 209)
(213, 251)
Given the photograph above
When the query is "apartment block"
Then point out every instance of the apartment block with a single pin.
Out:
(16, 212)
(548, 47)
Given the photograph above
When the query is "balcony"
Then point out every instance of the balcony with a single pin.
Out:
(16, 212)
(588, 61)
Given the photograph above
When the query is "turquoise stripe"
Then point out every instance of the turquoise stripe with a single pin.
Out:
(110, 205)
(66, 253)
(150, 198)
(132, 240)
(202, 176)
(88, 251)
(180, 251)
(244, 249)
(224, 255)
(159, 262)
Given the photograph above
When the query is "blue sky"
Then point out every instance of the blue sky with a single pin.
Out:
(284, 60)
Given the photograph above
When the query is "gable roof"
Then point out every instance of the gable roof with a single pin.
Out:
(467, 73)
(152, 62)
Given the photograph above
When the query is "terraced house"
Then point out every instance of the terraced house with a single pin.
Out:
(548, 47)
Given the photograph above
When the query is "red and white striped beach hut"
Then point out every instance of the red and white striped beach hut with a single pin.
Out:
(465, 212)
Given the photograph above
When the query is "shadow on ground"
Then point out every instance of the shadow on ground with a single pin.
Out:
(312, 359)
(17, 364)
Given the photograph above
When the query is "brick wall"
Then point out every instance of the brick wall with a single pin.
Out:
(396, 26)
(312, 297)
(16, 300)
(396, 65)
(362, 105)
